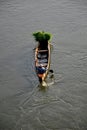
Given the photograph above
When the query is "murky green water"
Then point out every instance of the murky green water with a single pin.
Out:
(63, 104)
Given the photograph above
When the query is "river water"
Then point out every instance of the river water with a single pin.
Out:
(63, 104)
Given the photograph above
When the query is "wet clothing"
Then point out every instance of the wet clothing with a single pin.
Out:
(40, 70)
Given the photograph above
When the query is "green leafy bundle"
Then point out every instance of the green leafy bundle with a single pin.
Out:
(42, 36)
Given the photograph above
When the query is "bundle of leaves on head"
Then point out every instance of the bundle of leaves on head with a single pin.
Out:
(42, 36)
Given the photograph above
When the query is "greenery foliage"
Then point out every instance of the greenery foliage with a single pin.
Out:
(42, 36)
